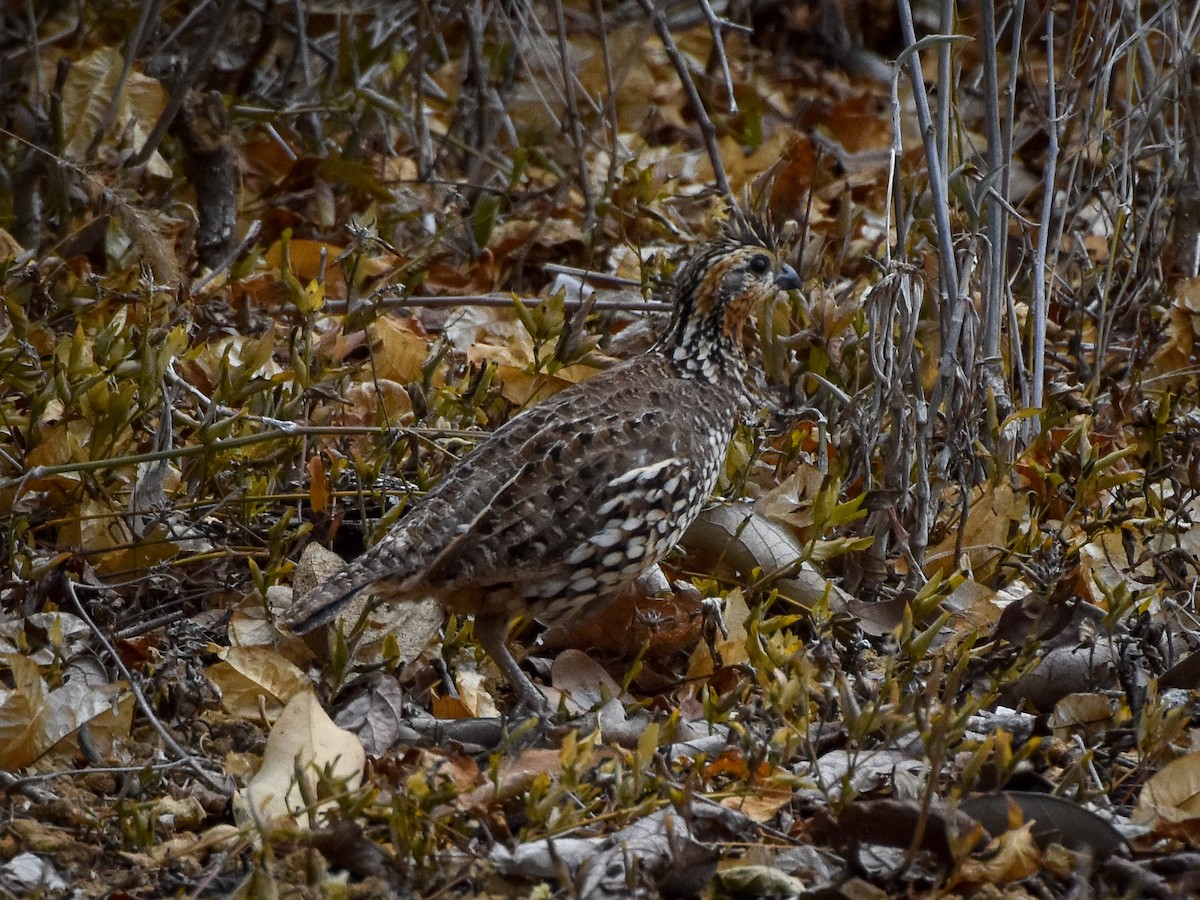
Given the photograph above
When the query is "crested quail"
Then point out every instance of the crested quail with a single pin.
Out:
(572, 500)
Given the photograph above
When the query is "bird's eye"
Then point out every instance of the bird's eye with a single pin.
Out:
(759, 265)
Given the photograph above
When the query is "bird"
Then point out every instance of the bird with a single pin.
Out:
(569, 502)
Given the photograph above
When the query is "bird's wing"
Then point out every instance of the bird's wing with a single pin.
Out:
(578, 488)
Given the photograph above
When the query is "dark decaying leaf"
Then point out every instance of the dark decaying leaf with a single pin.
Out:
(376, 715)
(344, 844)
(898, 823)
(1055, 821)
(1184, 674)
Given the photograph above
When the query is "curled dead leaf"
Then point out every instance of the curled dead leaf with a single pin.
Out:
(735, 535)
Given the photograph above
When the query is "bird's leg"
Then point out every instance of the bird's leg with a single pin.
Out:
(492, 634)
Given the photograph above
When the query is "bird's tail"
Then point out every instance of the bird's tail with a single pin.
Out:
(326, 600)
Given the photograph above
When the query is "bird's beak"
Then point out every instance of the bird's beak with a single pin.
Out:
(786, 279)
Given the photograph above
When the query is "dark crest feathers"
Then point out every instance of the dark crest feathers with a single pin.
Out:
(750, 229)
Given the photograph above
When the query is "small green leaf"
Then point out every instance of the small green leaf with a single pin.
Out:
(483, 218)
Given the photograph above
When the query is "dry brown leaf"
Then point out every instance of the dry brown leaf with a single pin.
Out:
(1088, 715)
(382, 401)
(254, 681)
(583, 680)
(522, 389)
(249, 626)
(46, 637)
(1174, 354)
(203, 369)
(10, 248)
(317, 564)
(318, 485)
(376, 715)
(513, 778)
(474, 695)
(311, 260)
(450, 708)
(1172, 795)
(742, 539)
(545, 238)
(790, 501)
(993, 512)
(974, 605)
(33, 718)
(760, 804)
(1012, 856)
(399, 348)
(732, 645)
(412, 624)
(1105, 566)
(445, 278)
(90, 89)
(179, 850)
(1062, 671)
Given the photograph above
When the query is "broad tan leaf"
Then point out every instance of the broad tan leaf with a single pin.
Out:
(254, 681)
(87, 95)
(993, 512)
(33, 718)
(585, 682)
(409, 625)
(399, 348)
(304, 743)
(1172, 794)
(760, 803)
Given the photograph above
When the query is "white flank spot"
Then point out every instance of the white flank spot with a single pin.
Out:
(580, 553)
(550, 588)
(609, 505)
(644, 474)
(606, 539)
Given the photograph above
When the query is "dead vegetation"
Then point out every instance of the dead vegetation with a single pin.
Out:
(268, 269)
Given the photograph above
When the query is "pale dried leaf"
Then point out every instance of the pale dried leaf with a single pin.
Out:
(585, 682)
(303, 740)
(1172, 794)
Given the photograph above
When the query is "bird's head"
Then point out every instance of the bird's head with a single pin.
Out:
(715, 291)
